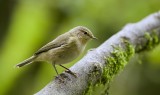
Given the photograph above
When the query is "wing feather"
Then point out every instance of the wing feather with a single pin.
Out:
(58, 42)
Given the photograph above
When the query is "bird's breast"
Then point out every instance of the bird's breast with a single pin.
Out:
(68, 53)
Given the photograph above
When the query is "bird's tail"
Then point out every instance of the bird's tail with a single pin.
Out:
(26, 62)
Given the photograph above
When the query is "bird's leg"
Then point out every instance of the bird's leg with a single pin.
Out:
(55, 68)
(68, 70)
(61, 78)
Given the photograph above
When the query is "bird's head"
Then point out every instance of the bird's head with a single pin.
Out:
(83, 33)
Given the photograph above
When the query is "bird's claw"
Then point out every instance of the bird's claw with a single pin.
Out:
(72, 73)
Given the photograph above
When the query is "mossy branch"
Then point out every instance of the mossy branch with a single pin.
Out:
(97, 68)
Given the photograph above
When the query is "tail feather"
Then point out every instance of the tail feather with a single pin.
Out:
(26, 62)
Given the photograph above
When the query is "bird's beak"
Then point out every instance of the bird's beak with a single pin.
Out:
(94, 38)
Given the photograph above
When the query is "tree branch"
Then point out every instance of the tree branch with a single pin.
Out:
(100, 65)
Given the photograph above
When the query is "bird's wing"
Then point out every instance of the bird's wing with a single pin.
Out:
(58, 42)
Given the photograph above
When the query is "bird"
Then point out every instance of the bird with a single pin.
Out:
(63, 49)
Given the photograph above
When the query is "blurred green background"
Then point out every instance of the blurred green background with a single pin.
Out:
(26, 25)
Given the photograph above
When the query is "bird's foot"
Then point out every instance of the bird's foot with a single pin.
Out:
(72, 73)
(60, 78)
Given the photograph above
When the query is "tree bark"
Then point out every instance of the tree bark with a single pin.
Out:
(91, 69)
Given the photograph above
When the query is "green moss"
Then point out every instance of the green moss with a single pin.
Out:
(151, 40)
(89, 90)
(117, 61)
(114, 64)
(94, 74)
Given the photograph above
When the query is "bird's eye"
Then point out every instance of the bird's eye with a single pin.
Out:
(85, 32)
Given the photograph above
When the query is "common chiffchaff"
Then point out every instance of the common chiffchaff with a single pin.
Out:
(63, 49)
